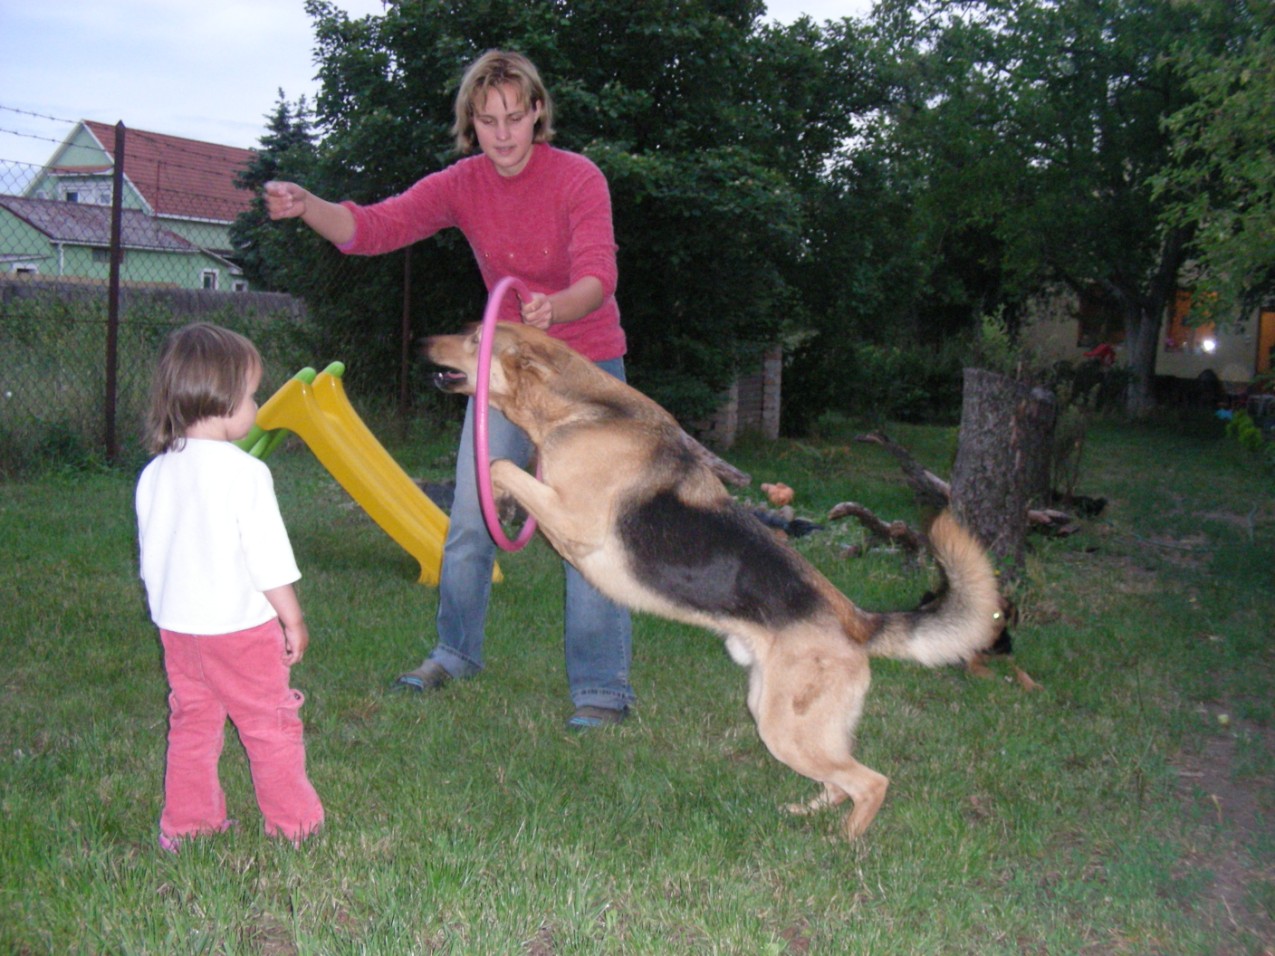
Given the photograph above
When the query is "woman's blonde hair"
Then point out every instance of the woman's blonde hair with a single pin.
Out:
(492, 70)
(203, 372)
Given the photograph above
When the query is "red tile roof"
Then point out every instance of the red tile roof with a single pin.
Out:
(180, 177)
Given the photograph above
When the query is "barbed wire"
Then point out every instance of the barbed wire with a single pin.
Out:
(151, 136)
(22, 112)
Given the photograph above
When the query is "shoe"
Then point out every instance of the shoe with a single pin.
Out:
(588, 717)
(429, 676)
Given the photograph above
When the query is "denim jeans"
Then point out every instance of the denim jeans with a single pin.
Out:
(598, 634)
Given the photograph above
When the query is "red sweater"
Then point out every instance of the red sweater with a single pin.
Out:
(550, 226)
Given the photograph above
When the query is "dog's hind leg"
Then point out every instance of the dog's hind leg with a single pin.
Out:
(862, 785)
(807, 719)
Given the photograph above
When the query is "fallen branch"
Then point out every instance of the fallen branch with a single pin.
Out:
(929, 488)
(892, 532)
(932, 491)
(724, 470)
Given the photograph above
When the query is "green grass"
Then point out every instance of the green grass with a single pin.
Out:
(470, 821)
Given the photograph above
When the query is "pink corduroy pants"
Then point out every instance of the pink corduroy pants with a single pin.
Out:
(241, 676)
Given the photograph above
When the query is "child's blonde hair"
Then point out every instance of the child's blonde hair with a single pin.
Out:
(494, 69)
(203, 372)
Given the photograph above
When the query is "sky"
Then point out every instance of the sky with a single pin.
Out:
(207, 71)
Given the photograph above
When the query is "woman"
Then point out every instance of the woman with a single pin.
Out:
(541, 214)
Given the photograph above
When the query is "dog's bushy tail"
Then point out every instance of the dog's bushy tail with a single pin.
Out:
(965, 617)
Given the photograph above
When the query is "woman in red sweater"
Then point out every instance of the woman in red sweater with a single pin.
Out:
(541, 214)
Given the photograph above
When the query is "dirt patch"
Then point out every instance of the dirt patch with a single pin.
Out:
(1238, 824)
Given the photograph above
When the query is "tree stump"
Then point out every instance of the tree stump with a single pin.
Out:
(1002, 462)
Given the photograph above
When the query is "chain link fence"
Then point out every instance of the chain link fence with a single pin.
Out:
(95, 268)
(121, 235)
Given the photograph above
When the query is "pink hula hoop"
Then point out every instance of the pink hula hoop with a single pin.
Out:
(482, 456)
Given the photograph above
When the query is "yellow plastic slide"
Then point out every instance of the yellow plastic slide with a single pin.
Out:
(316, 408)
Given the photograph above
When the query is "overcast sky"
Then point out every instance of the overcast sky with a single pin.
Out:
(205, 70)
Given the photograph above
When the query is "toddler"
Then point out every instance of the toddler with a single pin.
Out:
(218, 569)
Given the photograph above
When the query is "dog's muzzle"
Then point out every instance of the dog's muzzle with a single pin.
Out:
(449, 380)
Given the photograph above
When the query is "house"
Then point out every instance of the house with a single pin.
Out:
(184, 187)
(1064, 325)
(72, 240)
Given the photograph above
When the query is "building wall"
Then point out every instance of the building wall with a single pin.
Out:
(22, 247)
(96, 188)
(751, 404)
(206, 235)
(1052, 333)
(18, 239)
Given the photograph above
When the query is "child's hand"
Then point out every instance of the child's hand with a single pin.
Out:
(296, 638)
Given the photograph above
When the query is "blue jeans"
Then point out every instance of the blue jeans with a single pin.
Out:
(598, 633)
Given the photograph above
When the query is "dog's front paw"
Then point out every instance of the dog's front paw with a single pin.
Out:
(499, 468)
(506, 505)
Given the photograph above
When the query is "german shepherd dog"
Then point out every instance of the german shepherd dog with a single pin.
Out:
(634, 504)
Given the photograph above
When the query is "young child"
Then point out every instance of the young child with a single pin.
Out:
(218, 569)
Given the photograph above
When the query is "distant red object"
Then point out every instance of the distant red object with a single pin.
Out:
(1104, 353)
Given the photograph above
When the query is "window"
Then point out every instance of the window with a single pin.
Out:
(208, 279)
(89, 191)
(240, 285)
(103, 256)
(25, 269)
(1181, 337)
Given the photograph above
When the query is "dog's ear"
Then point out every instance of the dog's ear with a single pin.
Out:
(541, 359)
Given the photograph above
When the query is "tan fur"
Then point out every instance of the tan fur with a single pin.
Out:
(621, 480)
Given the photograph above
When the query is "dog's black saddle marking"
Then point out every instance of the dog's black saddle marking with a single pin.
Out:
(717, 561)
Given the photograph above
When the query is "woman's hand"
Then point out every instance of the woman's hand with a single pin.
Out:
(538, 311)
(332, 221)
(285, 200)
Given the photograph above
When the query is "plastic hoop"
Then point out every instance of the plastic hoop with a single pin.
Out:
(482, 457)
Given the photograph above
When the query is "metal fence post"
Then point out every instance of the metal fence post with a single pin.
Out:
(113, 295)
(405, 341)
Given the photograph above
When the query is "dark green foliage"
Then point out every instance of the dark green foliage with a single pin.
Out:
(902, 382)
(1245, 432)
(829, 186)
(704, 121)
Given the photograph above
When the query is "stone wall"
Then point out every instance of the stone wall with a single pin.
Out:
(751, 404)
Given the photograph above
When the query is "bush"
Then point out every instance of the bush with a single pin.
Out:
(53, 384)
(910, 383)
(1242, 429)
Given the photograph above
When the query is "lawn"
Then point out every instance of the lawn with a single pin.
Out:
(1124, 807)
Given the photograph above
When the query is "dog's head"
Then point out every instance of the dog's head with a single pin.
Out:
(518, 352)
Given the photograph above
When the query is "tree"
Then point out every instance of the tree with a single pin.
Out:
(1029, 132)
(706, 124)
(1222, 179)
(286, 152)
